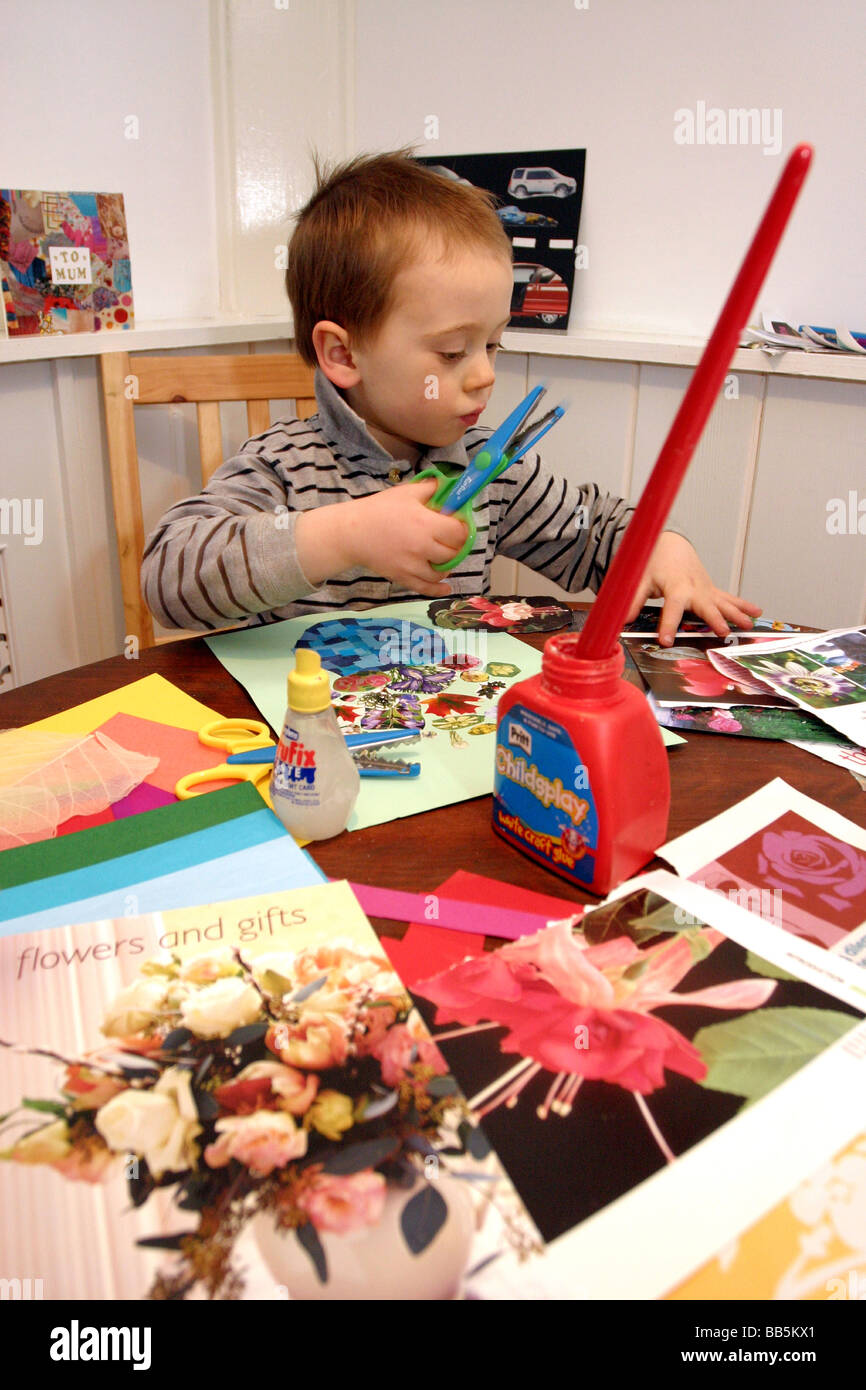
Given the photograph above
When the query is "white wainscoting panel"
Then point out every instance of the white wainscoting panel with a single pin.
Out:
(813, 449)
(712, 503)
(593, 443)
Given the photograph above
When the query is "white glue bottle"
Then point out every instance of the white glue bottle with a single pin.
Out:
(315, 782)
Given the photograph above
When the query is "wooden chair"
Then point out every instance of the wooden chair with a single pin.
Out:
(146, 379)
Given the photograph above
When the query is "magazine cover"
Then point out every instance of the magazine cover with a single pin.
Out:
(235, 1101)
(64, 262)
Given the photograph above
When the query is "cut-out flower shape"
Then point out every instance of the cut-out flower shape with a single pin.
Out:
(452, 704)
(395, 714)
(454, 723)
(362, 680)
(504, 615)
(422, 680)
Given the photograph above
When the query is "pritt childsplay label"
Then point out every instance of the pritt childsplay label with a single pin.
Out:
(542, 799)
(581, 781)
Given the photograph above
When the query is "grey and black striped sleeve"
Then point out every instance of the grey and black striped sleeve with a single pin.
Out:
(227, 553)
(567, 532)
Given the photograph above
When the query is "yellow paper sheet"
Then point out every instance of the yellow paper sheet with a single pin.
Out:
(152, 697)
(811, 1245)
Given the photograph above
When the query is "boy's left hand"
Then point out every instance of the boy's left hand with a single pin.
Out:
(676, 574)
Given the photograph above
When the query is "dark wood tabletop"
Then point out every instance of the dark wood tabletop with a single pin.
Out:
(709, 773)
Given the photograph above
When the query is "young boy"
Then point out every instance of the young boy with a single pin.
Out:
(400, 282)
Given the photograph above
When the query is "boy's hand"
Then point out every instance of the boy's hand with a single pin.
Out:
(676, 574)
(391, 533)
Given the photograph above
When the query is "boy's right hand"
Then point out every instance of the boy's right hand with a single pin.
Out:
(392, 533)
(396, 534)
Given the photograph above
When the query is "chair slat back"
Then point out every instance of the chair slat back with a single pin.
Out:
(129, 382)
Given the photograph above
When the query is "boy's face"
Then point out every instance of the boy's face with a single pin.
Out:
(427, 373)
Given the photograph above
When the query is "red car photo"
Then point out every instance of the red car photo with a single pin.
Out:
(538, 293)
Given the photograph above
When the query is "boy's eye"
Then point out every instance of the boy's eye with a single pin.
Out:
(493, 347)
(451, 356)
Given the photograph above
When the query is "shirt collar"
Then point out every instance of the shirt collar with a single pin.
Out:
(346, 433)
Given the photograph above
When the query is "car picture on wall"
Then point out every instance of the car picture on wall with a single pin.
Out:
(535, 182)
(539, 197)
(539, 293)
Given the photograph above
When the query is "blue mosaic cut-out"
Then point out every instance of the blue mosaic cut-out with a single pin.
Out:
(347, 646)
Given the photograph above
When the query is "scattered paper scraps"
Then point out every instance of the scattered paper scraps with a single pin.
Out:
(824, 673)
(688, 673)
(394, 670)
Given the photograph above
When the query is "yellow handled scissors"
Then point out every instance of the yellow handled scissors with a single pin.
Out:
(232, 736)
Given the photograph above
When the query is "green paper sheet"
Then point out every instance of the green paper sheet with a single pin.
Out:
(456, 764)
(103, 842)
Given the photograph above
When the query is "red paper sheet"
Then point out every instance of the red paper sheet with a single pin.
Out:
(426, 949)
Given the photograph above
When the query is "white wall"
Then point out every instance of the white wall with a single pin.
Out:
(73, 75)
(283, 78)
(665, 224)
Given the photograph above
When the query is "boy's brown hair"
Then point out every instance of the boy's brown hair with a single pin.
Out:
(364, 223)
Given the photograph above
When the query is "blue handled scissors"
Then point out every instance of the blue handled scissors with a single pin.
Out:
(458, 487)
(363, 747)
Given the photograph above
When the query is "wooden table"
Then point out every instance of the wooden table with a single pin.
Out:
(708, 774)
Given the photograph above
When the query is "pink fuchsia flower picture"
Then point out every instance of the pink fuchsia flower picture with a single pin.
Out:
(602, 1051)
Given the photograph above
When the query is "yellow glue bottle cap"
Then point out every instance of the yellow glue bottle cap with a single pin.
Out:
(309, 687)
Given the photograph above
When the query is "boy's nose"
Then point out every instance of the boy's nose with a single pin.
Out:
(480, 375)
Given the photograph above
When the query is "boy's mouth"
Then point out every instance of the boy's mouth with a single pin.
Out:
(472, 419)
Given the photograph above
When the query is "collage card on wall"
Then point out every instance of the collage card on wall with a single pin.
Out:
(64, 262)
(539, 195)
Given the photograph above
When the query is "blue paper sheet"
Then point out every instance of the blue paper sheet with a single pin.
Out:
(277, 864)
(186, 851)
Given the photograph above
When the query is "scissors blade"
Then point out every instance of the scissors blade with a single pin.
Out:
(488, 461)
(528, 438)
(368, 738)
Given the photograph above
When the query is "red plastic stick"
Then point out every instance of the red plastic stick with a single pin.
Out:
(608, 613)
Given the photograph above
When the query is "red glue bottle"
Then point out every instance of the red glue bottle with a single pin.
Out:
(581, 783)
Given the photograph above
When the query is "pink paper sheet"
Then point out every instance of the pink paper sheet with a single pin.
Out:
(178, 750)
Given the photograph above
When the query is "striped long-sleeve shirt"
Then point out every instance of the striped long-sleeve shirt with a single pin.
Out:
(229, 553)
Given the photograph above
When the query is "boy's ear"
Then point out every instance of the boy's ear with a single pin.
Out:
(334, 353)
